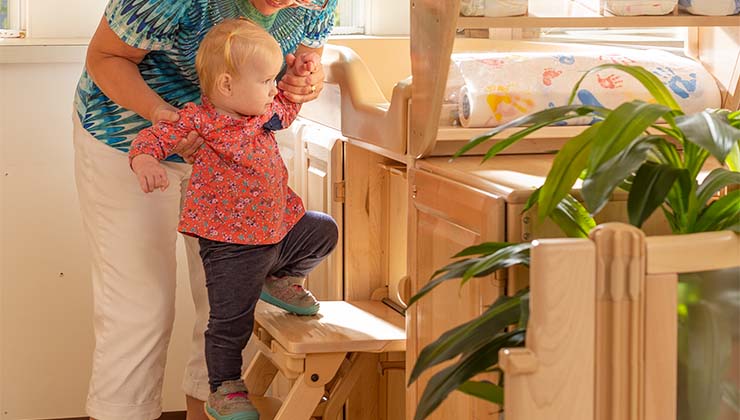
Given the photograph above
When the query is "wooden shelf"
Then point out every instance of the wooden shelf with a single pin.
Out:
(682, 19)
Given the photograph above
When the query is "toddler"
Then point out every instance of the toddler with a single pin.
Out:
(256, 239)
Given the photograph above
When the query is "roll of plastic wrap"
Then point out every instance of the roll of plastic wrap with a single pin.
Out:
(711, 7)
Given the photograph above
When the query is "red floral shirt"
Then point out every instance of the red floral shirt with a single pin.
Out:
(238, 190)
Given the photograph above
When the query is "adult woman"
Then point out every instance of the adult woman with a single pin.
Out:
(139, 69)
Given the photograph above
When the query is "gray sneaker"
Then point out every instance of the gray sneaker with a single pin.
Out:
(230, 402)
(288, 293)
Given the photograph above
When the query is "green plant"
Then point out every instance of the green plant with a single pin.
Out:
(628, 148)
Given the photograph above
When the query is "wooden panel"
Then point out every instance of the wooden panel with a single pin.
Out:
(433, 25)
(322, 175)
(661, 346)
(439, 228)
(553, 377)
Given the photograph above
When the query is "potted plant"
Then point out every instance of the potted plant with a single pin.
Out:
(632, 147)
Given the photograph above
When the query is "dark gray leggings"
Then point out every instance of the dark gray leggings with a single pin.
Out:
(234, 278)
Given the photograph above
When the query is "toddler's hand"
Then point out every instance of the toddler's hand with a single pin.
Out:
(164, 112)
(306, 64)
(150, 172)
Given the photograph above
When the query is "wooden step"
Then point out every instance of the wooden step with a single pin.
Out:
(360, 326)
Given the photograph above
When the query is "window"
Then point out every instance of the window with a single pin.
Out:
(665, 38)
(10, 18)
(349, 17)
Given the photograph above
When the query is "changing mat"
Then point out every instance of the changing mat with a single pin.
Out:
(634, 7)
(711, 7)
(493, 8)
(490, 89)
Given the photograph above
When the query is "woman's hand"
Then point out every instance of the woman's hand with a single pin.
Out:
(303, 82)
(188, 145)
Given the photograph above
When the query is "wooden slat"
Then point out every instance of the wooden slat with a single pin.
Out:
(693, 253)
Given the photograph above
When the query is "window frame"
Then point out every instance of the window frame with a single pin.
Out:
(16, 13)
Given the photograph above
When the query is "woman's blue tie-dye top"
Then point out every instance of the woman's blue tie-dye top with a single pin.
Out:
(172, 31)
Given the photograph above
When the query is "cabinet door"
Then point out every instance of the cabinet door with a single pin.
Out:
(291, 149)
(446, 217)
(323, 191)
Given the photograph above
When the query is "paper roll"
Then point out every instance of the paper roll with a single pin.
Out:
(473, 109)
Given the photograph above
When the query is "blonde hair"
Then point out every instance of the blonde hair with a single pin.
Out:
(228, 46)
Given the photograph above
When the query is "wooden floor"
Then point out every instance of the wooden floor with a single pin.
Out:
(175, 415)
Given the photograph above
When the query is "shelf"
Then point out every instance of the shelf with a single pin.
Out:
(464, 22)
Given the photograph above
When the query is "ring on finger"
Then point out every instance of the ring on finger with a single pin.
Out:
(313, 88)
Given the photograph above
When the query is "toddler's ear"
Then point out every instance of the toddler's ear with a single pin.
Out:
(223, 84)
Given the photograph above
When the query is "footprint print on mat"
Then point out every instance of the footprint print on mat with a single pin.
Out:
(549, 74)
(678, 85)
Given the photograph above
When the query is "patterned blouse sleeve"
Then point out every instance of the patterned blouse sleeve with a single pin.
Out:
(146, 24)
(281, 114)
(319, 25)
(160, 139)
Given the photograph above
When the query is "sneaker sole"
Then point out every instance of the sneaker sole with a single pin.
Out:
(242, 416)
(312, 310)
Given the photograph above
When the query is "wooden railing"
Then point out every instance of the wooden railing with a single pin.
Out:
(602, 335)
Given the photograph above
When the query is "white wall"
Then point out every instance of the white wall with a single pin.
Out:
(46, 336)
(63, 18)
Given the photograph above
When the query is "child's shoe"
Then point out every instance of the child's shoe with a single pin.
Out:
(230, 402)
(288, 293)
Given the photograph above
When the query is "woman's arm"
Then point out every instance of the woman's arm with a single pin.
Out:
(300, 85)
(113, 66)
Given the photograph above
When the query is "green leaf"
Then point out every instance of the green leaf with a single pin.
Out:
(484, 390)
(649, 188)
(524, 310)
(484, 248)
(450, 378)
(536, 120)
(733, 158)
(451, 271)
(572, 218)
(470, 335)
(720, 215)
(566, 167)
(714, 182)
(599, 185)
(626, 123)
(503, 258)
(654, 86)
(710, 132)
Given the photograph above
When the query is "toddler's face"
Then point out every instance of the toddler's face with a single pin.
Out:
(255, 88)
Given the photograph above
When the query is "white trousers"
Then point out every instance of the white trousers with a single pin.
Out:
(132, 238)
